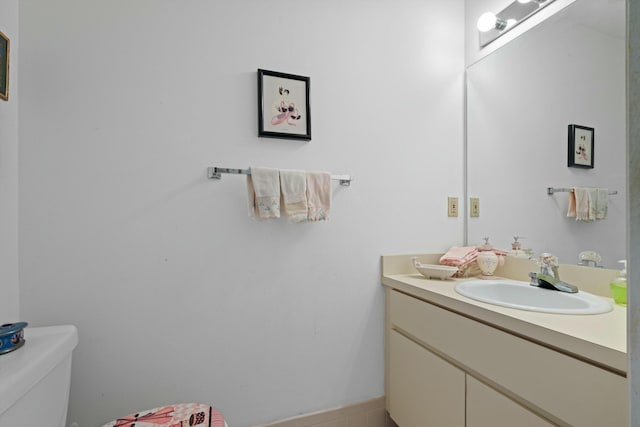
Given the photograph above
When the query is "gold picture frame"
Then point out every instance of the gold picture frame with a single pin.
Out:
(4, 66)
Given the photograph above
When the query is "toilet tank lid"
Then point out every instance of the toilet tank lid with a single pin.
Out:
(44, 349)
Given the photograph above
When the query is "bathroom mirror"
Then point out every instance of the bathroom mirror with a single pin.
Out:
(521, 99)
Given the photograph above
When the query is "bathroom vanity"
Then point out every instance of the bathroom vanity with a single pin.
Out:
(452, 361)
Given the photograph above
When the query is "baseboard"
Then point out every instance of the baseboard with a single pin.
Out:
(370, 413)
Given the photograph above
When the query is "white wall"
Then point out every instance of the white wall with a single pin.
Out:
(9, 172)
(178, 296)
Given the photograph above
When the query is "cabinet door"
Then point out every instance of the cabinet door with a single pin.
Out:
(571, 391)
(488, 408)
(424, 390)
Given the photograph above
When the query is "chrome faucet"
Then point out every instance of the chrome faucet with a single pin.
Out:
(549, 276)
(549, 282)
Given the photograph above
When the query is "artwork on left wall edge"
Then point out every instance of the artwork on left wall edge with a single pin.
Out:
(4, 66)
(283, 105)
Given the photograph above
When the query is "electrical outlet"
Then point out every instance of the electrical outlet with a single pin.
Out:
(474, 207)
(452, 206)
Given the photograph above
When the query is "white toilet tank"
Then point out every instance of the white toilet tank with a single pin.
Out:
(35, 379)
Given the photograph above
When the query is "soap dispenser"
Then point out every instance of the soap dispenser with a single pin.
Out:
(618, 285)
(487, 260)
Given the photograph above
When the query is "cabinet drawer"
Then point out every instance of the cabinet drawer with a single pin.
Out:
(488, 408)
(551, 383)
(424, 390)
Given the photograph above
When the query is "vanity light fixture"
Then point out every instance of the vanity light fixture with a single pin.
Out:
(491, 26)
(489, 21)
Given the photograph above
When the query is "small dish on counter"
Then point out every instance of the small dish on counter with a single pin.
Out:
(434, 271)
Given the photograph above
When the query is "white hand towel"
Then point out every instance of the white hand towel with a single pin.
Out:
(582, 203)
(318, 195)
(593, 203)
(263, 190)
(293, 184)
(602, 203)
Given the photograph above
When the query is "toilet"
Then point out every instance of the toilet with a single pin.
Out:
(35, 379)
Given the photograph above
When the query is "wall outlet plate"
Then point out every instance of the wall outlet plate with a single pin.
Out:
(452, 206)
(474, 207)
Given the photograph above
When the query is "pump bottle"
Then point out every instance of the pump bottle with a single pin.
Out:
(618, 285)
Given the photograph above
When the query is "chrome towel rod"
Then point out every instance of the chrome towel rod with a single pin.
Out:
(551, 190)
(216, 173)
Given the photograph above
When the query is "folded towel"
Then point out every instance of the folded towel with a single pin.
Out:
(499, 252)
(571, 210)
(263, 190)
(582, 203)
(602, 203)
(588, 204)
(318, 195)
(293, 184)
(593, 203)
(459, 256)
(463, 257)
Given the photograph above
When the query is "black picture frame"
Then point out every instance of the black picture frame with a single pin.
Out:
(581, 145)
(4, 66)
(284, 109)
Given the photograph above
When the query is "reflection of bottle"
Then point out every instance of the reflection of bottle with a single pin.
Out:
(618, 285)
(516, 249)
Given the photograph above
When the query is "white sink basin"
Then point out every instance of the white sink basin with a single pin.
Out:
(521, 295)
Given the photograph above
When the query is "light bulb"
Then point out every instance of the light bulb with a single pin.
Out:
(487, 21)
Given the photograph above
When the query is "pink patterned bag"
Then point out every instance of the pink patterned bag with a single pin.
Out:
(180, 415)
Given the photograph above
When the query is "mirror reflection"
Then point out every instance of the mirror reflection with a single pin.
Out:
(521, 99)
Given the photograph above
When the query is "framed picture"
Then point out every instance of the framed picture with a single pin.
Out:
(581, 144)
(283, 105)
(4, 67)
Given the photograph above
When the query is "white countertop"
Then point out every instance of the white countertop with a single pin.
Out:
(600, 339)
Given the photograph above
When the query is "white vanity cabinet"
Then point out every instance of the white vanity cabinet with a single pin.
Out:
(447, 369)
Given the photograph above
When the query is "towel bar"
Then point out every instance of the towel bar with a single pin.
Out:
(216, 173)
(551, 190)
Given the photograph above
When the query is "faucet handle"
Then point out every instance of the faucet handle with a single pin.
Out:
(548, 260)
(587, 257)
(549, 265)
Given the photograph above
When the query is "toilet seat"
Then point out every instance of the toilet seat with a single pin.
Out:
(178, 415)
